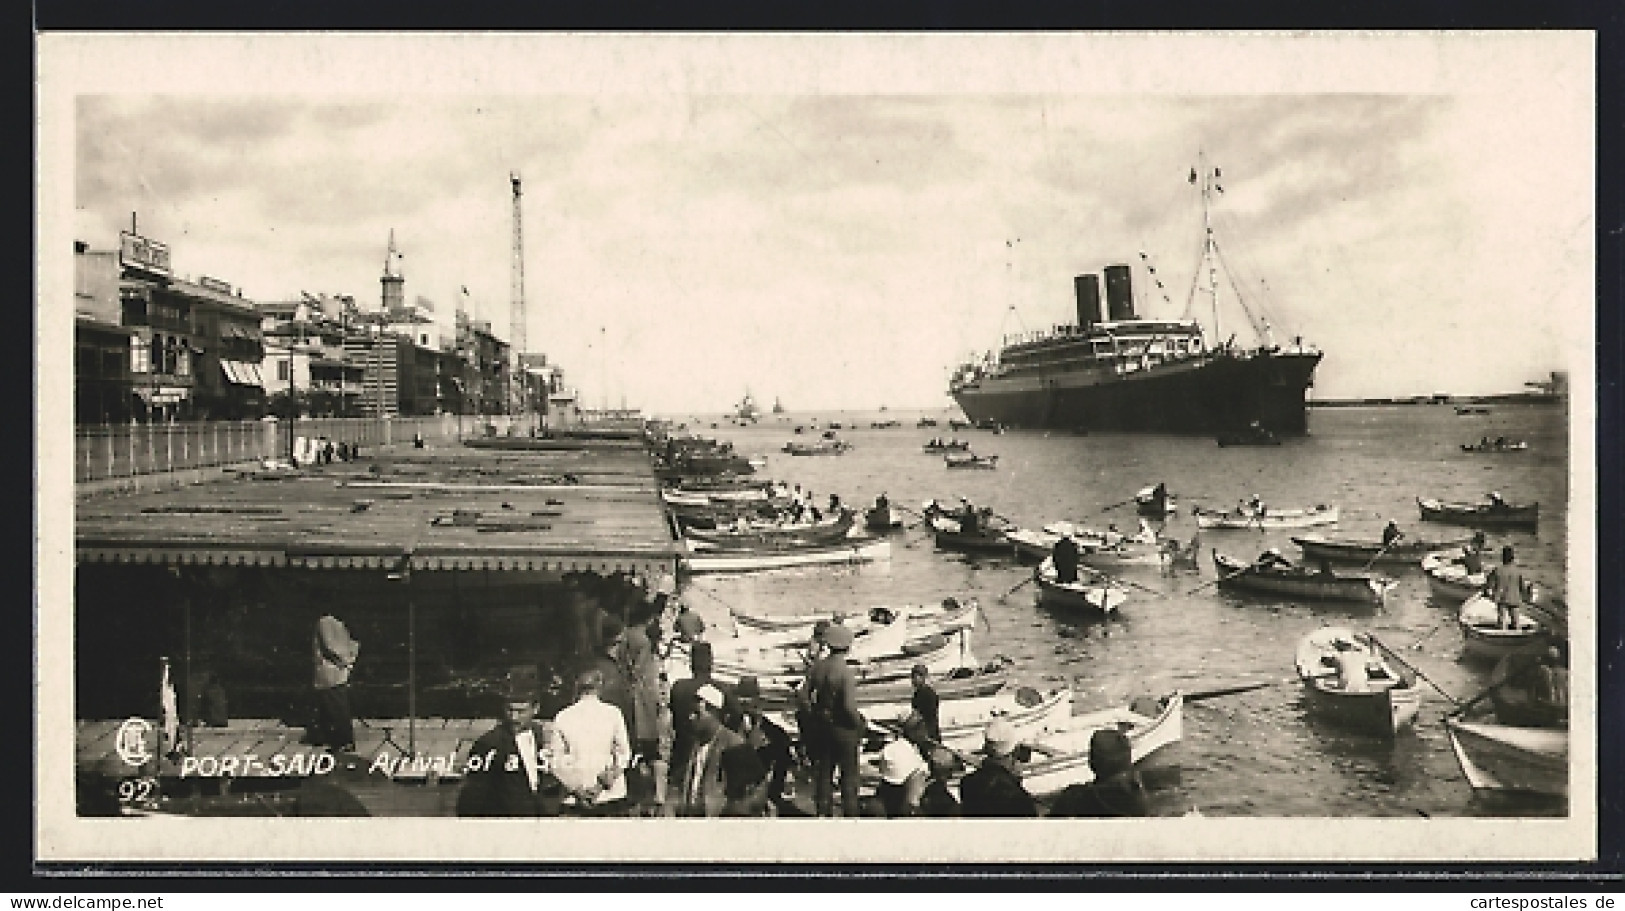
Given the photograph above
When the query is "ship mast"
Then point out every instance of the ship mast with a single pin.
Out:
(1208, 253)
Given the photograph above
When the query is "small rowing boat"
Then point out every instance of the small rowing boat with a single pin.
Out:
(734, 561)
(1449, 578)
(971, 460)
(1483, 637)
(954, 445)
(1091, 592)
(950, 613)
(1403, 552)
(762, 536)
(1278, 576)
(1504, 758)
(1269, 518)
(962, 721)
(1493, 513)
(1495, 446)
(1062, 757)
(1349, 680)
(820, 448)
(1155, 502)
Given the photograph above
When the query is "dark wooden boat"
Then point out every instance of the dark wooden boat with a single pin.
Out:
(1404, 552)
(969, 460)
(955, 445)
(949, 536)
(1300, 582)
(1381, 704)
(1489, 514)
(882, 519)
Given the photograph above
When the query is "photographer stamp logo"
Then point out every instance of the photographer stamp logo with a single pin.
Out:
(131, 742)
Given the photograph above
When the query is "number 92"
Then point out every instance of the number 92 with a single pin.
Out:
(137, 790)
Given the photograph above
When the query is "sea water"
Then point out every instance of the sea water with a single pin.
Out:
(1252, 753)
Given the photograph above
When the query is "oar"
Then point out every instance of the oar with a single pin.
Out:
(1461, 709)
(1379, 553)
(1230, 690)
(1106, 509)
(1018, 586)
(1119, 580)
(1413, 668)
(1417, 645)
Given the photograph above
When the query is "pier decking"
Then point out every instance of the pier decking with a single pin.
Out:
(589, 507)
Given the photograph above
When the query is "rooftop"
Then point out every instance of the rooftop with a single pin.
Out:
(595, 507)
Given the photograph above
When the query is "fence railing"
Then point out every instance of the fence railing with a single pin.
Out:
(106, 451)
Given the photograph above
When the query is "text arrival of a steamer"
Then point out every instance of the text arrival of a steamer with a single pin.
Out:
(1135, 374)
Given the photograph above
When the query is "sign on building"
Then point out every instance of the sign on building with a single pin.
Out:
(137, 252)
(213, 284)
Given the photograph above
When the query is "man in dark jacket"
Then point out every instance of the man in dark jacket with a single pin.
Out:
(1065, 557)
(506, 773)
(832, 688)
(684, 699)
(1115, 790)
(995, 789)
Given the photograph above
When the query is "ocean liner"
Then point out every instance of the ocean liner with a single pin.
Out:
(1119, 371)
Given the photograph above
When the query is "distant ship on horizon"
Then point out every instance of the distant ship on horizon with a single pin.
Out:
(1119, 371)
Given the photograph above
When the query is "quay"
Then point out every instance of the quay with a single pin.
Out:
(456, 567)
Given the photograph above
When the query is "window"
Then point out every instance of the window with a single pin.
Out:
(139, 362)
(282, 370)
(158, 354)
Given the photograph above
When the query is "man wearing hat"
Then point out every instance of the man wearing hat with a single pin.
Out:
(995, 788)
(701, 778)
(1115, 790)
(772, 744)
(903, 777)
(685, 695)
(505, 775)
(1508, 587)
(837, 723)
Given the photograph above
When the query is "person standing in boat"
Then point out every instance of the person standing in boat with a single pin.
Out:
(1507, 586)
(968, 518)
(1065, 557)
(1391, 535)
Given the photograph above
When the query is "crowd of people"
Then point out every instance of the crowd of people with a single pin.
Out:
(635, 743)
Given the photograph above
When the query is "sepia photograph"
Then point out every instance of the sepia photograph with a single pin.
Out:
(816, 448)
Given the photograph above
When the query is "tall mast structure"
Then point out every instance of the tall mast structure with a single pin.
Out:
(516, 314)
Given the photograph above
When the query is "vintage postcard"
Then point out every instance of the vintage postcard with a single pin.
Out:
(570, 448)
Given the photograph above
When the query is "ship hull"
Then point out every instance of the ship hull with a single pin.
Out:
(1205, 395)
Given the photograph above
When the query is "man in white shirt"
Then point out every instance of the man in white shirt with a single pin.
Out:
(588, 747)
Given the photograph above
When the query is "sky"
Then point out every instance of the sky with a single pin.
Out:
(736, 218)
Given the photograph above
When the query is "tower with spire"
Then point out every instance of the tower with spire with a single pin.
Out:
(392, 281)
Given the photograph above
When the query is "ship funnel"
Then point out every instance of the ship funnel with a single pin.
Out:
(1119, 293)
(1088, 290)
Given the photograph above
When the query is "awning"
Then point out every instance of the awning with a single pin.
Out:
(200, 553)
(162, 395)
(242, 373)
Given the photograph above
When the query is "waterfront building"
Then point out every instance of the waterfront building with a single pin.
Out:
(150, 345)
